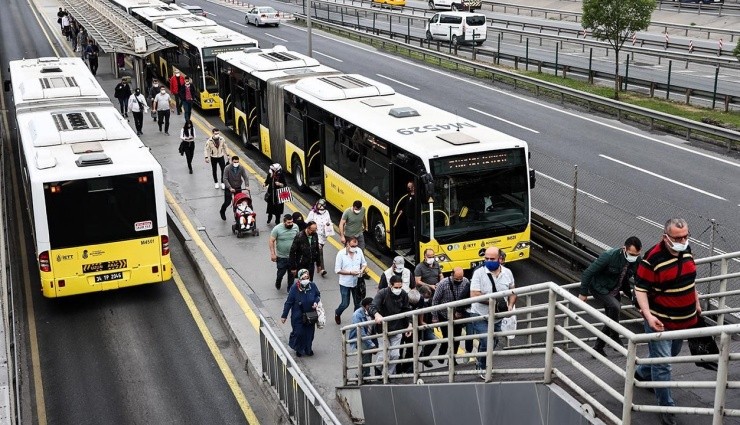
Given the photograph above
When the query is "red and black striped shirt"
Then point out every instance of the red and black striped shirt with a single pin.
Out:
(668, 281)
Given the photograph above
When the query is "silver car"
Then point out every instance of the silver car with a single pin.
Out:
(263, 15)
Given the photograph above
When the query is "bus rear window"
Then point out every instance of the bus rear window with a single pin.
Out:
(100, 210)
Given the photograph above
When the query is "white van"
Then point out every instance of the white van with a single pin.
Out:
(455, 5)
(457, 27)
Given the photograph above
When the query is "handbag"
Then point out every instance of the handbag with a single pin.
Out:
(501, 305)
(360, 288)
(310, 317)
(268, 198)
(284, 195)
(703, 345)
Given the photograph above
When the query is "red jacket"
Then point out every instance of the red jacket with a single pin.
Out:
(174, 88)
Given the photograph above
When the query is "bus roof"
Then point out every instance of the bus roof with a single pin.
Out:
(53, 81)
(417, 127)
(202, 32)
(161, 12)
(127, 5)
(272, 63)
(98, 138)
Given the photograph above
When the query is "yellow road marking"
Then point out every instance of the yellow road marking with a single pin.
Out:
(222, 273)
(215, 351)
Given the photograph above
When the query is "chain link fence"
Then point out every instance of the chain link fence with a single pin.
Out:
(568, 194)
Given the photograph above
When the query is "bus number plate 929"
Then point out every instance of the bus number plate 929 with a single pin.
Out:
(108, 277)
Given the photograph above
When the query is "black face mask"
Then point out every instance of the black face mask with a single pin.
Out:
(288, 226)
(457, 282)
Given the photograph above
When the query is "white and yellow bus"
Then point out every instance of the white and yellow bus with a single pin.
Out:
(198, 41)
(130, 5)
(244, 78)
(347, 138)
(95, 193)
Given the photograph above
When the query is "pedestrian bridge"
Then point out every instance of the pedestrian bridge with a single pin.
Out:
(549, 371)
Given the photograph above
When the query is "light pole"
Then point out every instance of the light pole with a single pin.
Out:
(308, 26)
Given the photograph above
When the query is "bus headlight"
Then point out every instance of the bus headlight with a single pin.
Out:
(521, 245)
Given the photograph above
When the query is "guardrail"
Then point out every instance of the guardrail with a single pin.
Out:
(553, 329)
(304, 404)
(623, 111)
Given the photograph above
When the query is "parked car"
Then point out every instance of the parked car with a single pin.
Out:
(262, 15)
(389, 3)
(457, 27)
(455, 5)
(195, 10)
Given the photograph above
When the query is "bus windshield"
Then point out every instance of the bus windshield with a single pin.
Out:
(100, 210)
(478, 204)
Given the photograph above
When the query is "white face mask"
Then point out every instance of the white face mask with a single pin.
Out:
(430, 261)
(396, 291)
(305, 282)
(630, 258)
(352, 249)
(235, 165)
(398, 269)
(679, 247)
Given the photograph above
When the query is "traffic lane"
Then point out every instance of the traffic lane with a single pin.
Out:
(131, 356)
(20, 35)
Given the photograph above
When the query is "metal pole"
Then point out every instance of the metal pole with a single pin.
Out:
(431, 219)
(556, 57)
(451, 344)
(714, 92)
(386, 341)
(416, 348)
(498, 49)
(550, 339)
(626, 72)
(490, 336)
(590, 63)
(359, 356)
(722, 288)
(526, 55)
(629, 382)
(575, 205)
(308, 27)
(720, 393)
(707, 303)
(668, 86)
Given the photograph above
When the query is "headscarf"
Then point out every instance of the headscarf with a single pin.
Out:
(275, 167)
(301, 272)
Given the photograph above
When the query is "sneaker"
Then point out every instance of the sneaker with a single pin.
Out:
(223, 186)
(166, 133)
(215, 185)
(323, 273)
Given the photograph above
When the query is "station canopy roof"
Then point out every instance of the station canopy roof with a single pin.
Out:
(112, 28)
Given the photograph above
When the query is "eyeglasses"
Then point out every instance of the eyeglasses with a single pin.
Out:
(678, 238)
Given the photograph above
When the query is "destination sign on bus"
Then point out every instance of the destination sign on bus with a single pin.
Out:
(209, 52)
(479, 161)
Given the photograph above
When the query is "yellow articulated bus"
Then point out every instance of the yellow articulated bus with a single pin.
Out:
(347, 137)
(198, 41)
(95, 193)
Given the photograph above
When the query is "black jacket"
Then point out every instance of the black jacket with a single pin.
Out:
(122, 91)
(388, 304)
(304, 253)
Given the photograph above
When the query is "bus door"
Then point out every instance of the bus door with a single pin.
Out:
(253, 112)
(225, 87)
(404, 208)
(314, 154)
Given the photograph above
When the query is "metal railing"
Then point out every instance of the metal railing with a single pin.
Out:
(555, 325)
(303, 403)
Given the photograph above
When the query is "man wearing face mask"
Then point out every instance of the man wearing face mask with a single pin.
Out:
(349, 265)
(666, 294)
(387, 302)
(428, 272)
(233, 178)
(137, 105)
(177, 81)
(453, 288)
(605, 277)
(281, 239)
(304, 253)
(186, 97)
(153, 92)
(491, 277)
(398, 269)
(353, 224)
(161, 104)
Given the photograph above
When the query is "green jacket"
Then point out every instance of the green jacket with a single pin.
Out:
(603, 274)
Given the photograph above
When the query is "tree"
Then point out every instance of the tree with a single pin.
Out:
(615, 21)
(736, 52)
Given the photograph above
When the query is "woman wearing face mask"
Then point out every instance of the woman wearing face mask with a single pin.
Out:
(605, 277)
(275, 180)
(303, 297)
(324, 229)
(187, 143)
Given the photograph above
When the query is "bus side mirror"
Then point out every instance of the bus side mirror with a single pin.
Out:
(532, 178)
(428, 185)
(6, 85)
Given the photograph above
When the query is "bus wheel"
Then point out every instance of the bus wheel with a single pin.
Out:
(377, 229)
(298, 174)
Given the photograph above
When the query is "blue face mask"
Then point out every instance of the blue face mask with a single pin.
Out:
(492, 265)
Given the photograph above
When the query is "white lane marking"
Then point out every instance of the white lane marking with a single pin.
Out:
(209, 14)
(590, 195)
(663, 178)
(523, 99)
(276, 37)
(239, 23)
(506, 121)
(327, 56)
(397, 82)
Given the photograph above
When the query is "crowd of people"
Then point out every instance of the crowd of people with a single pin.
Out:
(76, 34)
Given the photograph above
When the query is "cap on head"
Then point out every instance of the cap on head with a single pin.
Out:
(275, 167)
(399, 261)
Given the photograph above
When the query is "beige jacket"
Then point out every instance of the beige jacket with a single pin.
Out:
(211, 151)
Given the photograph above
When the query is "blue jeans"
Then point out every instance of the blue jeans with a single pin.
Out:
(283, 267)
(481, 327)
(660, 372)
(345, 292)
(187, 107)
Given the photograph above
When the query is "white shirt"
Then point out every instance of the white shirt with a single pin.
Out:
(347, 263)
(480, 282)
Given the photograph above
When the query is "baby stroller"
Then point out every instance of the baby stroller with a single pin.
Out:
(245, 218)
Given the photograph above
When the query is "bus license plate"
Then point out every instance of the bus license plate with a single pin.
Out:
(108, 277)
(475, 264)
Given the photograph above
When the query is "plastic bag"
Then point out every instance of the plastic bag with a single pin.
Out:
(322, 316)
(508, 324)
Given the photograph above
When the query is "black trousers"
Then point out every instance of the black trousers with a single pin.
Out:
(93, 64)
(138, 120)
(217, 161)
(227, 200)
(189, 152)
(456, 332)
(164, 117)
(612, 306)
